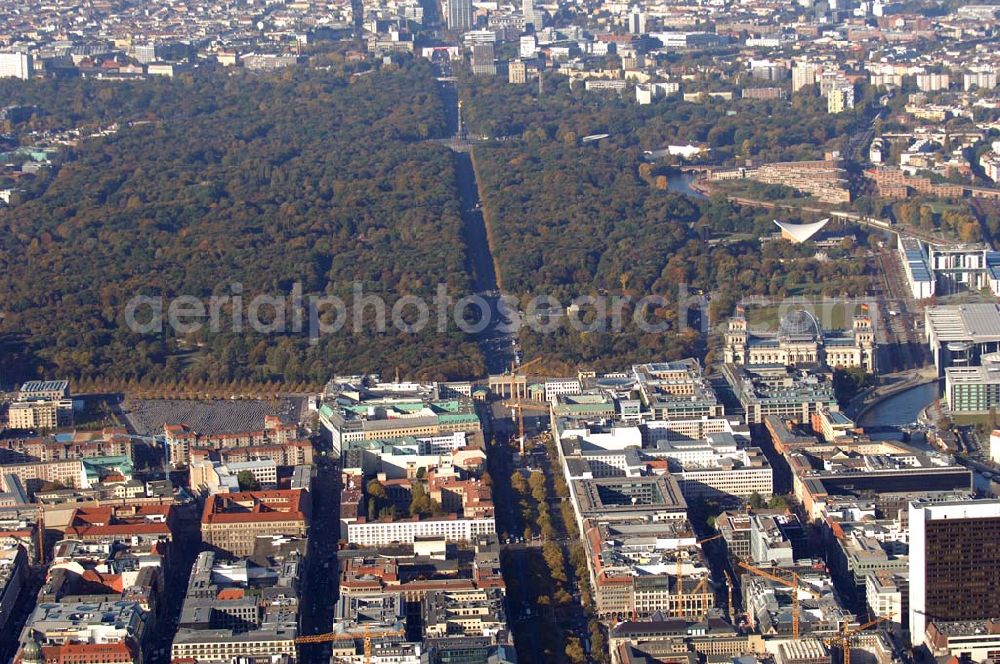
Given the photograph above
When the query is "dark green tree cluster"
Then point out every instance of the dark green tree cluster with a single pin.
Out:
(247, 481)
(768, 130)
(421, 503)
(952, 219)
(237, 184)
(570, 218)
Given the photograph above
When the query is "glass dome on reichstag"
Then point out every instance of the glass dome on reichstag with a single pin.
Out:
(800, 325)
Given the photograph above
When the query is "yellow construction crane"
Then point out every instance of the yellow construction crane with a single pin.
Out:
(793, 583)
(509, 379)
(843, 638)
(367, 635)
(679, 607)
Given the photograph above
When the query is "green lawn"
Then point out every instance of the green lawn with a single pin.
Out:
(837, 317)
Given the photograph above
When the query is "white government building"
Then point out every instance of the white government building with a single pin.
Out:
(800, 339)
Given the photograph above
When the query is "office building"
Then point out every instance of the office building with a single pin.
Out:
(633, 567)
(954, 558)
(959, 335)
(85, 631)
(887, 594)
(612, 499)
(968, 640)
(769, 605)
(676, 390)
(145, 53)
(40, 415)
(775, 539)
(460, 15)
(41, 405)
(15, 65)
(974, 389)
(637, 21)
(916, 267)
(803, 74)
(43, 390)
(483, 60)
(360, 408)
(532, 16)
(13, 572)
(527, 46)
(232, 522)
(461, 613)
(384, 532)
(243, 609)
(517, 72)
(959, 268)
(794, 394)
(840, 99)
(734, 526)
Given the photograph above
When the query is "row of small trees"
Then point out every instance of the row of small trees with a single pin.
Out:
(380, 505)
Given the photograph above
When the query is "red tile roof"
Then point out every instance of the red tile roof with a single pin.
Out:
(253, 506)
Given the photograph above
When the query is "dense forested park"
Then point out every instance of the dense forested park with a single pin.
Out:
(232, 182)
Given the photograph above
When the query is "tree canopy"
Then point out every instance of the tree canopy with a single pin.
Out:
(235, 183)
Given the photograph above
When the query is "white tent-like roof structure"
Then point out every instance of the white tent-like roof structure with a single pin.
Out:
(799, 233)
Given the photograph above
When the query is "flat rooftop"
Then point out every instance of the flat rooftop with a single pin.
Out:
(628, 495)
(977, 322)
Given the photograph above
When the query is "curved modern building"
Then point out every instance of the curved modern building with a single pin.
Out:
(799, 233)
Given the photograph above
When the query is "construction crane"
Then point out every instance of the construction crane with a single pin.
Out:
(843, 638)
(520, 425)
(368, 636)
(793, 584)
(518, 407)
(679, 608)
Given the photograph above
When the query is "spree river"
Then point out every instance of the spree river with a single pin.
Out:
(680, 183)
(901, 409)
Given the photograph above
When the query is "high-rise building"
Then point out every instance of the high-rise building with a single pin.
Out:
(954, 558)
(984, 79)
(532, 16)
(840, 100)
(803, 74)
(517, 72)
(933, 82)
(15, 65)
(459, 15)
(637, 21)
(483, 59)
(145, 53)
(528, 46)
